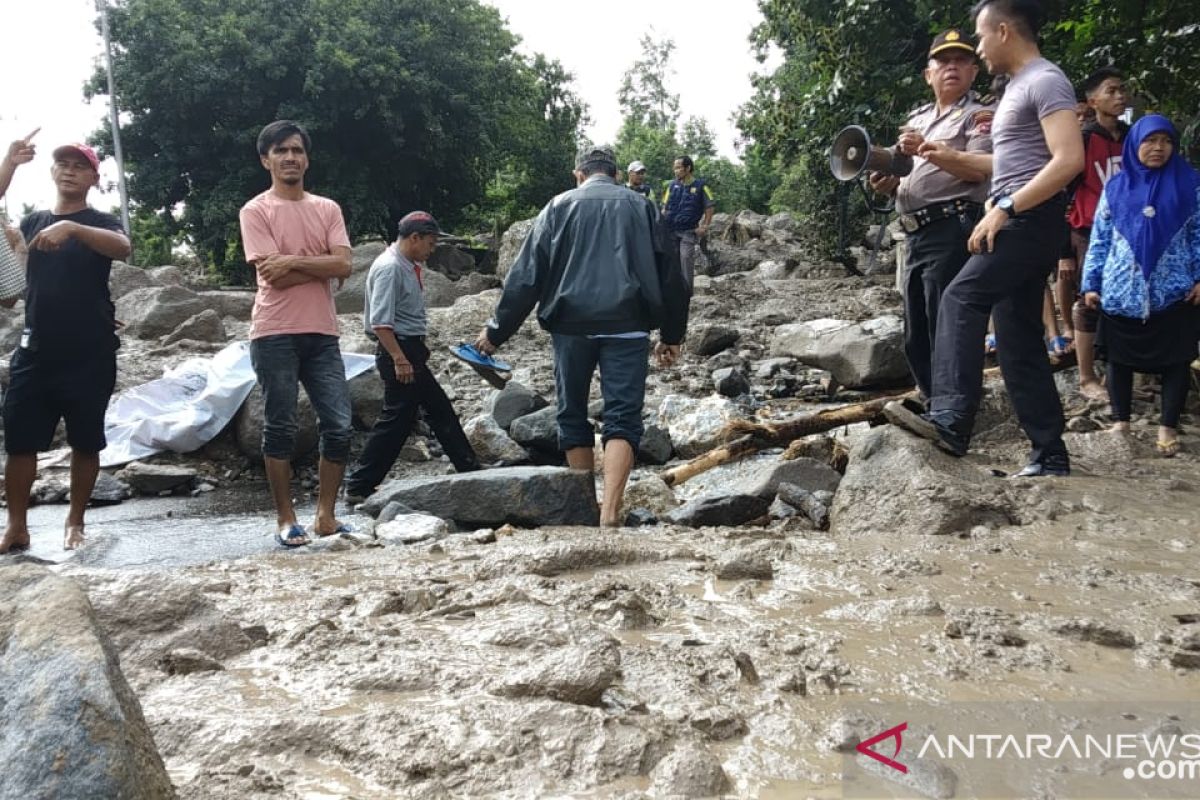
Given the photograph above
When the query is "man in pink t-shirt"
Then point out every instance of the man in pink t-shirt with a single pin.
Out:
(297, 244)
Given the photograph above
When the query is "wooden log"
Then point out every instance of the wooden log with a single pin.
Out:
(744, 438)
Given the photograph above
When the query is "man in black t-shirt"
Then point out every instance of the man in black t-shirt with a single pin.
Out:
(66, 364)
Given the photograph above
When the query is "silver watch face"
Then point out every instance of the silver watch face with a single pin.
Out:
(1005, 202)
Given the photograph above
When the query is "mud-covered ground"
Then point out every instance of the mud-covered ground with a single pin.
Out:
(588, 663)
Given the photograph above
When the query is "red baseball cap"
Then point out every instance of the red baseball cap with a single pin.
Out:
(80, 149)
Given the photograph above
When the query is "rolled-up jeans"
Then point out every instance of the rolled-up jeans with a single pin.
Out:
(283, 362)
(623, 364)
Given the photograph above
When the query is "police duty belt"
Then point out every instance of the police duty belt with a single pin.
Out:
(938, 211)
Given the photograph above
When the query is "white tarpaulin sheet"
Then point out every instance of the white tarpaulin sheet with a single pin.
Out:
(188, 405)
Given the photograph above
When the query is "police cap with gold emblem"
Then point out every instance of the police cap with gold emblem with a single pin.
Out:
(949, 40)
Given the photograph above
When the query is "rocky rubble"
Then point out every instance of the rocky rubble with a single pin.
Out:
(481, 637)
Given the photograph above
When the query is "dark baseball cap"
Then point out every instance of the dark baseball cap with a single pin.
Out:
(950, 40)
(419, 222)
(601, 154)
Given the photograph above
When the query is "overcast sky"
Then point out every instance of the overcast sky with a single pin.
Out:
(51, 47)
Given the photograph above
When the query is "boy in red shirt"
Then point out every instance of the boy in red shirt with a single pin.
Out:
(1103, 135)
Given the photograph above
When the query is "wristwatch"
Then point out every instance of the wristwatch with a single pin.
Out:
(1005, 203)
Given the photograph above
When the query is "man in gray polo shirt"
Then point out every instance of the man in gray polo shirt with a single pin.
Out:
(394, 315)
(1037, 152)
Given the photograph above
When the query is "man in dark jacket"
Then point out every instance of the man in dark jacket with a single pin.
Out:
(603, 273)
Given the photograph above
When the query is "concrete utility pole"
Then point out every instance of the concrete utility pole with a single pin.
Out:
(102, 7)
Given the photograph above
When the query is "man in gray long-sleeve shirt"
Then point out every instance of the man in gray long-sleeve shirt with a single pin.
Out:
(394, 315)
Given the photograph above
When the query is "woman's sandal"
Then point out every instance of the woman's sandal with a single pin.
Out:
(1167, 448)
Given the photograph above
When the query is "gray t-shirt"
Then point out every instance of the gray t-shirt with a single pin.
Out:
(394, 295)
(1018, 144)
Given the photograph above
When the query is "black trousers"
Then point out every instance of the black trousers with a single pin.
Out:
(1176, 380)
(936, 253)
(1007, 283)
(401, 403)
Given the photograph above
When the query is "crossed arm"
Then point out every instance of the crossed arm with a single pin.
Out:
(284, 271)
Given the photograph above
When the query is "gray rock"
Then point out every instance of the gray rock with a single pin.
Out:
(783, 221)
(230, 303)
(156, 311)
(513, 402)
(167, 275)
(510, 245)
(248, 426)
(725, 510)
(366, 398)
(812, 505)
(689, 771)
(640, 517)
(655, 447)
(774, 269)
(770, 367)
(108, 490)
(70, 726)
(805, 472)
(186, 661)
(203, 327)
(476, 283)
(708, 340)
(695, 425)
(1100, 452)
(576, 674)
(490, 441)
(858, 354)
(450, 261)
(898, 483)
(411, 528)
(781, 510)
(718, 723)
(523, 496)
(124, 278)
(439, 290)
(744, 565)
(538, 431)
(349, 299)
(150, 479)
(391, 511)
(731, 382)
(647, 490)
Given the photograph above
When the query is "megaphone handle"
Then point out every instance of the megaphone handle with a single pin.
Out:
(888, 207)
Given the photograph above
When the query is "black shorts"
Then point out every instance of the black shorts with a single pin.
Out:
(42, 391)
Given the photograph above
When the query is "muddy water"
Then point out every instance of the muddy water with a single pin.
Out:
(439, 670)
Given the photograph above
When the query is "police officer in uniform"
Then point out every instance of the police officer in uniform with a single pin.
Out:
(940, 201)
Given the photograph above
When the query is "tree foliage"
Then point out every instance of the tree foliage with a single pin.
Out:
(860, 62)
(410, 105)
(651, 133)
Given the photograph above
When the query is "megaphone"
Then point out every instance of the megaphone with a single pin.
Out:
(852, 154)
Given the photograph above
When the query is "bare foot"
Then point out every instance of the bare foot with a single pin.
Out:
(1093, 390)
(72, 537)
(14, 541)
(1121, 428)
(328, 527)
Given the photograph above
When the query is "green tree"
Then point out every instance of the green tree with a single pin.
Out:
(644, 94)
(410, 104)
(860, 62)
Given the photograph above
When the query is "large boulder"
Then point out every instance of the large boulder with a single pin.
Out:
(526, 496)
(510, 245)
(695, 425)
(203, 327)
(349, 299)
(451, 261)
(70, 726)
(806, 473)
(439, 290)
(490, 442)
(248, 426)
(898, 483)
(720, 510)
(124, 278)
(366, 398)
(234, 303)
(512, 402)
(859, 354)
(537, 431)
(158, 310)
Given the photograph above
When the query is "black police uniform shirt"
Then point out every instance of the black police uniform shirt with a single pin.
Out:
(68, 309)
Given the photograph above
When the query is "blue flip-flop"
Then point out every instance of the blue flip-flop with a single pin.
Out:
(293, 533)
(497, 373)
